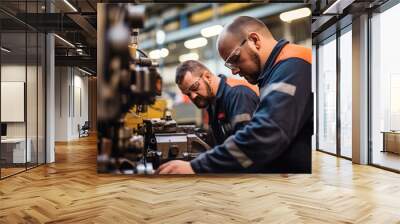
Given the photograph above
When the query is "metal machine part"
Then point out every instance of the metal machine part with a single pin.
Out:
(128, 78)
(171, 146)
(169, 141)
(179, 146)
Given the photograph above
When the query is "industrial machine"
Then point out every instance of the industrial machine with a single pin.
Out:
(128, 79)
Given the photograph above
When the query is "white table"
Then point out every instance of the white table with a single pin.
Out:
(18, 150)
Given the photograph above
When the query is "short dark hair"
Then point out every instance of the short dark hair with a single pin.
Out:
(192, 66)
(243, 24)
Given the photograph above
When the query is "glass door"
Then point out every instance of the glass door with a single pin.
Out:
(345, 42)
(385, 89)
(327, 96)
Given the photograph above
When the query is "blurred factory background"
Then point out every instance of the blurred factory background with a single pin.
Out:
(177, 32)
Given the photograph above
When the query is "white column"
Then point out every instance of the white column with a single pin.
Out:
(360, 90)
(50, 94)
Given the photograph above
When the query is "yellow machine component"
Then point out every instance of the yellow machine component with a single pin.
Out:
(207, 14)
(171, 26)
(157, 110)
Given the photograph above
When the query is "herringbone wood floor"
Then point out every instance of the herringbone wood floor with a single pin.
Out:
(70, 191)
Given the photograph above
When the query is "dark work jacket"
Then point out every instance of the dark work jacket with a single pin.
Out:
(234, 105)
(278, 137)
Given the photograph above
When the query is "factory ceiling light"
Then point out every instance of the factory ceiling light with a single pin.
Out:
(5, 50)
(159, 53)
(65, 41)
(155, 54)
(160, 37)
(188, 56)
(195, 43)
(295, 14)
(70, 5)
(211, 31)
(183, 34)
(164, 52)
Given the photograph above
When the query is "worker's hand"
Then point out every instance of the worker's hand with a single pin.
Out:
(175, 167)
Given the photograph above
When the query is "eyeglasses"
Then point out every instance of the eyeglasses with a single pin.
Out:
(231, 61)
(194, 87)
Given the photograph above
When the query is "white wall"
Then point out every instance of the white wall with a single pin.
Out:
(14, 73)
(80, 112)
(61, 103)
(33, 126)
(71, 94)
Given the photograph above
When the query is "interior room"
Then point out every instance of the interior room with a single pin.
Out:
(94, 115)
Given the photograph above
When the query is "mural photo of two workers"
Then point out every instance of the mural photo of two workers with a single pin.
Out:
(204, 88)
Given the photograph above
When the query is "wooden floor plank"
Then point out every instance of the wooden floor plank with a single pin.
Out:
(70, 191)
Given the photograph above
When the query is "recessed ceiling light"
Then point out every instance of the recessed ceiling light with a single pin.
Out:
(64, 40)
(5, 50)
(84, 71)
(70, 5)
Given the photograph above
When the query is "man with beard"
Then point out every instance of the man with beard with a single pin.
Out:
(230, 103)
(278, 137)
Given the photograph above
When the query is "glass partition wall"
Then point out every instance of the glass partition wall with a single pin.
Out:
(334, 85)
(345, 65)
(334, 94)
(327, 96)
(385, 89)
(22, 77)
(13, 95)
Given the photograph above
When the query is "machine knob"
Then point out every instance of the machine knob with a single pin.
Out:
(173, 151)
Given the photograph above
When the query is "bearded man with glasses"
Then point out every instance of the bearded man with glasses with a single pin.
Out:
(278, 137)
(230, 102)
